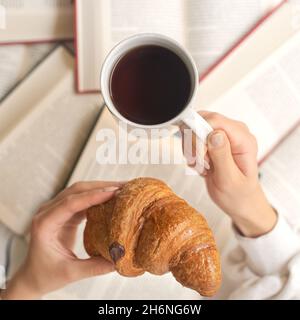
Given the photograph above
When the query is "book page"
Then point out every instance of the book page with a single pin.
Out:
(259, 45)
(280, 178)
(262, 97)
(212, 27)
(43, 128)
(36, 20)
(16, 61)
(135, 16)
(105, 22)
(190, 187)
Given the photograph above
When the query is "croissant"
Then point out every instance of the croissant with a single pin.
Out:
(146, 227)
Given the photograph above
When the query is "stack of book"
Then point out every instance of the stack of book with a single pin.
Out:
(51, 107)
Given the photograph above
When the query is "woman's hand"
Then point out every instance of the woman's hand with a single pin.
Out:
(232, 180)
(51, 263)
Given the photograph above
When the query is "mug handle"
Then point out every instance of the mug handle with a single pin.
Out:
(198, 125)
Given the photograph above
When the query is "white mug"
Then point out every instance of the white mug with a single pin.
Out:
(188, 115)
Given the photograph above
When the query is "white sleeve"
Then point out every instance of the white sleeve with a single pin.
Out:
(5, 243)
(270, 267)
(5, 239)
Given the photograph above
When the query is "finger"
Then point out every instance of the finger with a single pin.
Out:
(83, 186)
(77, 218)
(68, 233)
(224, 166)
(243, 143)
(71, 205)
(236, 131)
(91, 267)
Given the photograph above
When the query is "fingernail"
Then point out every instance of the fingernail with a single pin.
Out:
(110, 189)
(216, 140)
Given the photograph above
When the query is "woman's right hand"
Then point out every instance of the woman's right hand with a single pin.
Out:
(232, 180)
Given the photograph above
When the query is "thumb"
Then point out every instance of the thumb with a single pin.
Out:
(219, 150)
(91, 267)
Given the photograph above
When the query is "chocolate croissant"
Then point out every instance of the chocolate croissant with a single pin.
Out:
(146, 227)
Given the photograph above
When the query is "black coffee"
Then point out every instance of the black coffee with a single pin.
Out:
(150, 85)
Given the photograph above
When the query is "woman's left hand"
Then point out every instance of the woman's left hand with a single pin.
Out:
(51, 264)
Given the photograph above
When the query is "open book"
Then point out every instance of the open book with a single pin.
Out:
(229, 89)
(280, 178)
(206, 28)
(35, 20)
(43, 128)
(259, 81)
(17, 60)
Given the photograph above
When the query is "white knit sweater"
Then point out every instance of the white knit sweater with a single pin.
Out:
(267, 267)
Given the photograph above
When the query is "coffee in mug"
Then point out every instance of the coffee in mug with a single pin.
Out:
(150, 81)
(150, 84)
